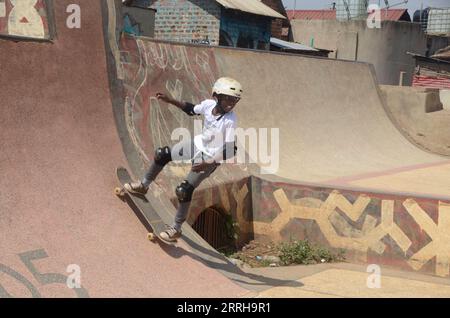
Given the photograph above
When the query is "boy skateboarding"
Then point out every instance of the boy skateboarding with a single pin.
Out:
(206, 151)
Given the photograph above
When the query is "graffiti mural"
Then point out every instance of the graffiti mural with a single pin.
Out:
(401, 231)
(181, 72)
(24, 18)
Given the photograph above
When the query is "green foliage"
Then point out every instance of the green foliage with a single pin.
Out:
(232, 228)
(265, 263)
(303, 252)
(228, 251)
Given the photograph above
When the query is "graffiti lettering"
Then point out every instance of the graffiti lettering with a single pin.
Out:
(43, 279)
(185, 76)
(200, 41)
(19, 278)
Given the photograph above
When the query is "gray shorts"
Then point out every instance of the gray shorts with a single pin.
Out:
(186, 151)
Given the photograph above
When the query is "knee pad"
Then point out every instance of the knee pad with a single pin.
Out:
(163, 156)
(184, 191)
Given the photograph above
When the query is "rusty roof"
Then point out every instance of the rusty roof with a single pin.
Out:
(311, 14)
(329, 14)
(442, 54)
(251, 6)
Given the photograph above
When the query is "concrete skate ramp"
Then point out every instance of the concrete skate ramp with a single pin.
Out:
(59, 151)
(331, 119)
(421, 115)
(348, 178)
(66, 126)
(333, 126)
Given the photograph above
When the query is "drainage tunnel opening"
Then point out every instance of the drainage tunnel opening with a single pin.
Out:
(216, 228)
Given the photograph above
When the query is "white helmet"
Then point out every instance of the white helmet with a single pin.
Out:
(228, 86)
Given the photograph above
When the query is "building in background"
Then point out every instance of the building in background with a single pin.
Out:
(351, 39)
(443, 54)
(433, 72)
(138, 18)
(330, 14)
(236, 23)
(347, 10)
(279, 45)
(311, 14)
(280, 27)
(434, 21)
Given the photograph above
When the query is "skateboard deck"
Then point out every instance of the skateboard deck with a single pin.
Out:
(141, 205)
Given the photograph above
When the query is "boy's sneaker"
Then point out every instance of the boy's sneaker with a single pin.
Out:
(170, 235)
(136, 187)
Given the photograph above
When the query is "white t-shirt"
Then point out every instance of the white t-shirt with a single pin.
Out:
(217, 130)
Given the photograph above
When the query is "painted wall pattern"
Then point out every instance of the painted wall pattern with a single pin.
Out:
(410, 233)
(24, 18)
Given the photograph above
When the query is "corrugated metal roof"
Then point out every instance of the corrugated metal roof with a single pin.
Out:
(419, 57)
(251, 6)
(386, 15)
(393, 14)
(311, 14)
(291, 45)
(431, 81)
(443, 54)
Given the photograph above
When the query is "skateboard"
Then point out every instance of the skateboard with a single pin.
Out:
(142, 207)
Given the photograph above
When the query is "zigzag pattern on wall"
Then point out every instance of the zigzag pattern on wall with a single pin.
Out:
(417, 228)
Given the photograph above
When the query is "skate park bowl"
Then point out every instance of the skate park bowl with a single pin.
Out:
(347, 176)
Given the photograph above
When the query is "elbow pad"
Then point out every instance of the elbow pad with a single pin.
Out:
(189, 109)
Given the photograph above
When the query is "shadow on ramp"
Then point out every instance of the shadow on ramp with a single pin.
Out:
(213, 259)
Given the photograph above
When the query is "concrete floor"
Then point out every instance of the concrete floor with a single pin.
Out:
(344, 280)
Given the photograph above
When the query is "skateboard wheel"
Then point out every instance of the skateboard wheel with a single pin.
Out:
(119, 192)
(151, 237)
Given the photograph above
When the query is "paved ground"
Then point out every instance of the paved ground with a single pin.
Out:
(349, 281)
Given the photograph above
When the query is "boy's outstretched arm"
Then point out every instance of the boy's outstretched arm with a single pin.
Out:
(188, 108)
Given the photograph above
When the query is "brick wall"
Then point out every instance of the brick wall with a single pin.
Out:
(280, 27)
(193, 21)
